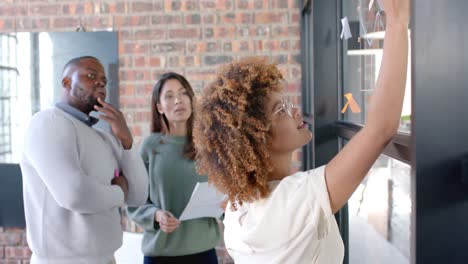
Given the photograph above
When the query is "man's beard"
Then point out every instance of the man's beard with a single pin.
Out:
(94, 101)
(86, 99)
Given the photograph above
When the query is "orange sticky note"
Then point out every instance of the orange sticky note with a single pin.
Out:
(351, 103)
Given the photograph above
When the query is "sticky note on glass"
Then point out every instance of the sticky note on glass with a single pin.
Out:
(351, 103)
(346, 31)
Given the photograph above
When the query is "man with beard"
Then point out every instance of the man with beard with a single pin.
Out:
(75, 177)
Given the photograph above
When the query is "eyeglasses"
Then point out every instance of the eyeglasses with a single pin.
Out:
(285, 108)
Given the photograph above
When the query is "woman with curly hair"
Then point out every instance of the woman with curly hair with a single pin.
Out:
(168, 155)
(245, 132)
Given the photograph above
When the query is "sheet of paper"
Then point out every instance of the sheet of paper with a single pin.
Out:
(346, 31)
(204, 202)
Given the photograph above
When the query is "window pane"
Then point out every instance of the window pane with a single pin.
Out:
(8, 75)
(380, 215)
(362, 55)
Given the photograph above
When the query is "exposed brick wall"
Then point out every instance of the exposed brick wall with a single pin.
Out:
(13, 246)
(192, 37)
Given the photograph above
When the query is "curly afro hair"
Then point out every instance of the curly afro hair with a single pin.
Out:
(231, 129)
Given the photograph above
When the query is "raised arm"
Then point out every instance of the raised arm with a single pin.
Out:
(349, 167)
(130, 162)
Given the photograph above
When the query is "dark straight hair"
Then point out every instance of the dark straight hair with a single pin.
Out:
(159, 122)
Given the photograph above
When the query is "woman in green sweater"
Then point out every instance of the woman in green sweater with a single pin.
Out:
(168, 154)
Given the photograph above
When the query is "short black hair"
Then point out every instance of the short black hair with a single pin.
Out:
(76, 61)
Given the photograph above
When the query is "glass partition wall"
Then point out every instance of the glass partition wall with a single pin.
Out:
(339, 79)
(380, 210)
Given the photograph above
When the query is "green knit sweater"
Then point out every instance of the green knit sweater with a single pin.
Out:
(172, 179)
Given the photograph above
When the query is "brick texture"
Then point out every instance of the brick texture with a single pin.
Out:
(13, 246)
(192, 37)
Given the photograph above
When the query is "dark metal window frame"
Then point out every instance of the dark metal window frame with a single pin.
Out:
(307, 76)
(398, 148)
